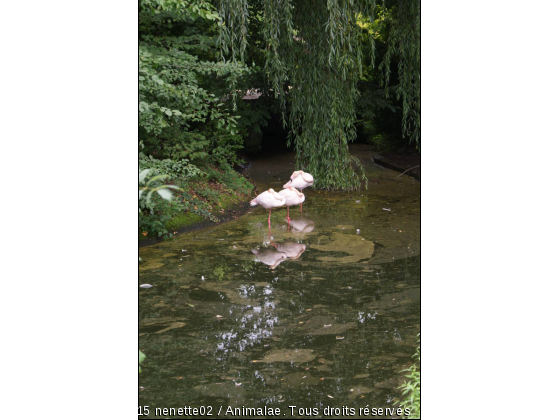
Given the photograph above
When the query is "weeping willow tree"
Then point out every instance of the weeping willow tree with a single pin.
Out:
(403, 46)
(314, 60)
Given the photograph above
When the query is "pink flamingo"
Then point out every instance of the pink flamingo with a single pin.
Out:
(300, 180)
(269, 200)
(293, 198)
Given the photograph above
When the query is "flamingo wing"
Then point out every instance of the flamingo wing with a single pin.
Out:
(307, 177)
(293, 197)
(294, 183)
(269, 200)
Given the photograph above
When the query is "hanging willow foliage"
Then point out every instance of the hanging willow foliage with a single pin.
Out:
(313, 58)
(403, 46)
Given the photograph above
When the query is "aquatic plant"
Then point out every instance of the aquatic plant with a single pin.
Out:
(141, 358)
(411, 388)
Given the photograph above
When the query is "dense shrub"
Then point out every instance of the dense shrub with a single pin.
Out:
(189, 120)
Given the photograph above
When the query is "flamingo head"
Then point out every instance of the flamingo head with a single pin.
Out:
(296, 174)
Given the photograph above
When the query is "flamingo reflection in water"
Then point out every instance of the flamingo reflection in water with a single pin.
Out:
(301, 225)
(293, 250)
(270, 256)
(280, 253)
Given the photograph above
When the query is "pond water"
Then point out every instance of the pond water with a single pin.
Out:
(322, 313)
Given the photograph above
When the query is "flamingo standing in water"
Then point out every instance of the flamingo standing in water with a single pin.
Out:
(293, 198)
(269, 200)
(300, 180)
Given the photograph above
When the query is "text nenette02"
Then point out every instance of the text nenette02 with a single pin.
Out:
(247, 412)
(207, 411)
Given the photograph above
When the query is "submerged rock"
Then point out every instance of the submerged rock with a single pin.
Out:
(171, 327)
(357, 391)
(324, 325)
(354, 248)
(287, 355)
(221, 390)
(298, 379)
(150, 265)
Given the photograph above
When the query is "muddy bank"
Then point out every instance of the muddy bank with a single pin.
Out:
(400, 162)
(235, 212)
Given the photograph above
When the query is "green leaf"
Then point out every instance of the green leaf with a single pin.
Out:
(165, 194)
(155, 178)
(143, 174)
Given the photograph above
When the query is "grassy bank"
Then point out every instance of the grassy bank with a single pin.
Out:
(202, 196)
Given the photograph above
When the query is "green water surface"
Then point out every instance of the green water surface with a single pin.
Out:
(321, 312)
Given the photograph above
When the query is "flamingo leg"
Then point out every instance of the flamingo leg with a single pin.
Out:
(288, 207)
(269, 213)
